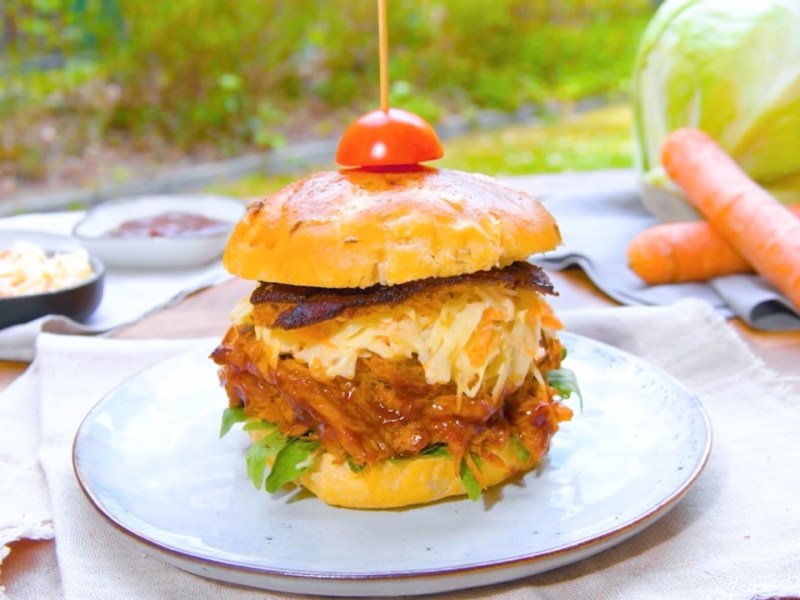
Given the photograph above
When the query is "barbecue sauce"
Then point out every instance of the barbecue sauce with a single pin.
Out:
(388, 411)
(172, 224)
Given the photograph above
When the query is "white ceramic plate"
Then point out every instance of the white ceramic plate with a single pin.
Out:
(157, 252)
(149, 459)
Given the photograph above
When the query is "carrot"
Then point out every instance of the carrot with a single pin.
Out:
(759, 227)
(680, 252)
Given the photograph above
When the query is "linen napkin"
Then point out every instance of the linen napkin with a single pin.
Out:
(598, 223)
(734, 535)
(22, 516)
(129, 294)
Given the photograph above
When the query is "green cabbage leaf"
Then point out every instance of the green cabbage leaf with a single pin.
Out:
(732, 69)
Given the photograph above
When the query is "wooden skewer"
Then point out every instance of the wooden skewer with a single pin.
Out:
(383, 54)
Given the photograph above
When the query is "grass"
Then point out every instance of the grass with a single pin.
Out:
(599, 139)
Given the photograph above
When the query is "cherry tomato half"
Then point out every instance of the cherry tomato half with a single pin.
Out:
(393, 137)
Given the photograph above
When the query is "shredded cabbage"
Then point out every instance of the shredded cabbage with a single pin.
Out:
(470, 335)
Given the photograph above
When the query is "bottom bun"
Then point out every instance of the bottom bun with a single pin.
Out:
(404, 482)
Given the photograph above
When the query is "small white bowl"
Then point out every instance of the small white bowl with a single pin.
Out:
(188, 249)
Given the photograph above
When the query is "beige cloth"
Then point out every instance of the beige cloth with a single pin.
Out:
(23, 516)
(736, 534)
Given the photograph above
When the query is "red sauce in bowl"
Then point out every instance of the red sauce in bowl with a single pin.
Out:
(170, 224)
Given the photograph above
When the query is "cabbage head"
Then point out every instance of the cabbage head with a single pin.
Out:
(732, 69)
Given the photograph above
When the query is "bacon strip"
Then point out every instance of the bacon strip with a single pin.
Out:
(309, 305)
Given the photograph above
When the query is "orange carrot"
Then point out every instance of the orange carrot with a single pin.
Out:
(759, 227)
(680, 252)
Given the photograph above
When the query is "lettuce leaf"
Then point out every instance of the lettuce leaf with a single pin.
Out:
(469, 480)
(565, 383)
(231, 416)
(435, 450)
(294, 459)
(261, 451)
(292, 456)
(354, 466)
(523, 453)
(259, 426)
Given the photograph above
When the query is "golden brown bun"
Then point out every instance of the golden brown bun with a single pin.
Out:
(357, 228)
(398, 483)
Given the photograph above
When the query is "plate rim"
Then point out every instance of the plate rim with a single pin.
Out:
(363, 583)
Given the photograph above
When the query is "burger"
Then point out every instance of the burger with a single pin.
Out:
(398, 346)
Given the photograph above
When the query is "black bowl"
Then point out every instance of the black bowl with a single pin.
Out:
(77, 302)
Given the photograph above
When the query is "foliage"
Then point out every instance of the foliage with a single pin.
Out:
(249, 74)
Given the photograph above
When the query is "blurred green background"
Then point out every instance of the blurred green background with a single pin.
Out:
(99, 90)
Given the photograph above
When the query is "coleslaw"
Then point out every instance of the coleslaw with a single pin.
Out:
(27, 269)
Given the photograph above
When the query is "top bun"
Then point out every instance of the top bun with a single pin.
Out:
(357, 228)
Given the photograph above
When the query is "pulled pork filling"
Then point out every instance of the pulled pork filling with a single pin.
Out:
(387, 410)
(388, 407)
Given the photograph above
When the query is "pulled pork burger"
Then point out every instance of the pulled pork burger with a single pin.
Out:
(397, 345)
